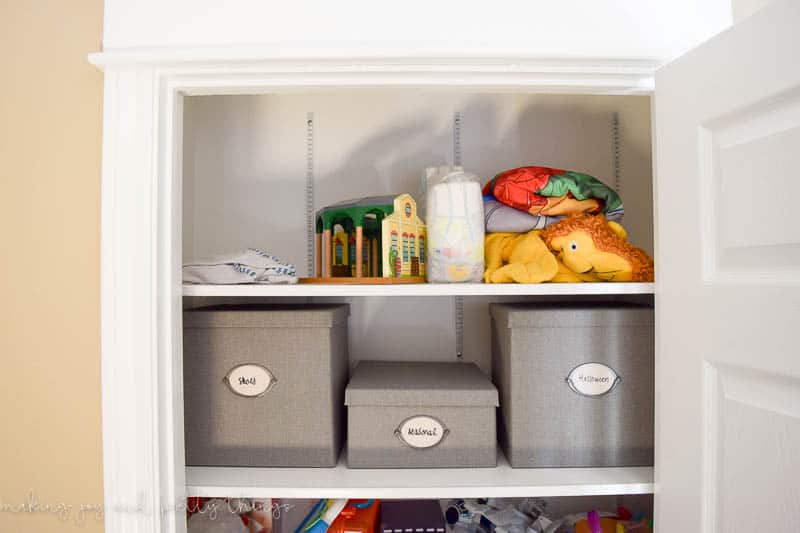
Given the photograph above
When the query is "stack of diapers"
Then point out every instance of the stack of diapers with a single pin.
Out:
(454, 217)
(251, 266)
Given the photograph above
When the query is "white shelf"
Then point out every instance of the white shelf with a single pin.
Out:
(341, 482)
(422, 289)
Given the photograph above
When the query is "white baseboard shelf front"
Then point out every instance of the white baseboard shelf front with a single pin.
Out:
(341, 482)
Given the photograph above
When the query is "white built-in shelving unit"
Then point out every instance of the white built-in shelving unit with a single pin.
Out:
(257, 166)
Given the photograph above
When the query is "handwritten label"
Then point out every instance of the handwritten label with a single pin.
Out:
(249, 380)
(421, 432)
(593, 379)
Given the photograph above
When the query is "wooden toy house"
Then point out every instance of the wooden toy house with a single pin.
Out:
(377, 239)
(403, 234)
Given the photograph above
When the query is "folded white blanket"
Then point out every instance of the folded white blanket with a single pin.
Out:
(251, 266)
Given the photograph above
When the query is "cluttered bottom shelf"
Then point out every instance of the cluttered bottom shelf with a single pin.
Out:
(578, 514)
(467, 500)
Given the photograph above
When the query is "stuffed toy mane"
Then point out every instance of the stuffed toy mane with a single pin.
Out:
(591, 245)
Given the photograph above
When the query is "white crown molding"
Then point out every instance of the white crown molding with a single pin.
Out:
(317, 50)
(502, 68)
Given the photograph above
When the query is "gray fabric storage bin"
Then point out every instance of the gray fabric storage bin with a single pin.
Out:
(420, 415)
(576, 384)
(286, 411)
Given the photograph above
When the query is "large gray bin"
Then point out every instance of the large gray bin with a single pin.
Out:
(576, 384)
(420, 415)
(264, 386)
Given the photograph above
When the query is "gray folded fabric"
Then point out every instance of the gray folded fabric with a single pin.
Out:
(500, 218)
(251, 266)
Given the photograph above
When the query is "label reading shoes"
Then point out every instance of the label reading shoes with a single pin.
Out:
(249, 380)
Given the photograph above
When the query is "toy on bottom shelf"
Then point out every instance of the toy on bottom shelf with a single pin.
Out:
(412, 515)
(378, 239)
(578, 248)
(341, 516)
(530, 515)
(594, 523)
(358, 516)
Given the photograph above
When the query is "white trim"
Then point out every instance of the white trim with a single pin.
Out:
(234, 70)
(384, 51)
(170, 325)
(141, 304)
(129, 310)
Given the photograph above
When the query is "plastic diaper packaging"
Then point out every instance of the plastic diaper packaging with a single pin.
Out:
(454, 217)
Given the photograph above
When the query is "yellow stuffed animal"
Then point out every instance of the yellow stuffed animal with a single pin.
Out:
(518, 257)
(590, 245)
(579, 248)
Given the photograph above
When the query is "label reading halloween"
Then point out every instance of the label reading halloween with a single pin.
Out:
(421, 432)
(249, 380)
(592, 379)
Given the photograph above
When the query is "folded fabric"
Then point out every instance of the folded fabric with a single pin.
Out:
(500, 218)
(553, 192)
(251, 266)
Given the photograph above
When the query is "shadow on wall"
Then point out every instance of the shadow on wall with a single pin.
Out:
(500, 132)
(379, 143)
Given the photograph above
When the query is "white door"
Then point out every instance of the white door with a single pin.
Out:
(727, 118)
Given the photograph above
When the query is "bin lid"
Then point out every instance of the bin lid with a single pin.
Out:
(384, 383)
(571, 315)
(267, 316)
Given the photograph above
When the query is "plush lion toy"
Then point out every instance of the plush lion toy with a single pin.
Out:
(579, 248)
(590, 245)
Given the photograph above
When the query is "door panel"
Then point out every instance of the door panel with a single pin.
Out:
(727, 118)
(751, 158)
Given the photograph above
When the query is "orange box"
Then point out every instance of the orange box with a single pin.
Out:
(357, 517)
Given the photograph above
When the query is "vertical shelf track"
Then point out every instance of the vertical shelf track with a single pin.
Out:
(616, 153)
(458, 302)
(310, 222)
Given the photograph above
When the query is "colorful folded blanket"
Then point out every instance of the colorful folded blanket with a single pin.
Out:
(554, 192)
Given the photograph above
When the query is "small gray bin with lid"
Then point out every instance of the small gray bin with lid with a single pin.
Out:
(420, 415)
(264, 385)
(576, 384)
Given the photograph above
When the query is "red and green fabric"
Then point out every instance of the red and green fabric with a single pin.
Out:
(554, 192)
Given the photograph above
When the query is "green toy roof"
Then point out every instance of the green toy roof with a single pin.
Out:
(355, 210)
(368, 201)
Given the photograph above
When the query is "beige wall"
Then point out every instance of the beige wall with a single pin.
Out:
(50, 126)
